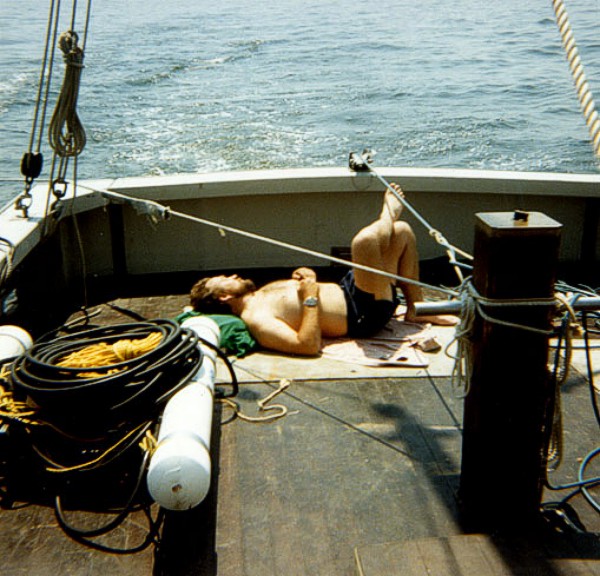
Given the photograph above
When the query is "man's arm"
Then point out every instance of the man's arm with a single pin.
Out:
(276, 334)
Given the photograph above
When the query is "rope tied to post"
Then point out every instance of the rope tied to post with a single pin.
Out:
(473, 304)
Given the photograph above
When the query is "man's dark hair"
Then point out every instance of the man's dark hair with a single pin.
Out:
(206, 300)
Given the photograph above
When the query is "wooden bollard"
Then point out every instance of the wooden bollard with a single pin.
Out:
(511, 392)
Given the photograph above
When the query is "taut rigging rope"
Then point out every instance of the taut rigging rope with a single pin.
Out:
(155, 209)
(32, 162)
(66, 133)
(584, 94)
(364, 164)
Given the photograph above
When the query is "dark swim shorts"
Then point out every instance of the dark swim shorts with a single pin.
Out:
(366, 316)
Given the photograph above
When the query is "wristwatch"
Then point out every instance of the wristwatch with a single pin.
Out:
(311, 302)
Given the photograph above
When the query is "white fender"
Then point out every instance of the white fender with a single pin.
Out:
(179, 472)
(14, 341)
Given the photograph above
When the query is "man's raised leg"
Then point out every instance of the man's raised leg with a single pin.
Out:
(389, 244)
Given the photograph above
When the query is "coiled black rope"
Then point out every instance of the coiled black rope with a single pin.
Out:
(106, 397)
(90, 421)
(90, 418)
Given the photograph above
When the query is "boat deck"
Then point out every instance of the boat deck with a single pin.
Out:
(360, 477)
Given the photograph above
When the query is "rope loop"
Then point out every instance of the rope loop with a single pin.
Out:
(276, 410)
(66, 133)
(72, 53)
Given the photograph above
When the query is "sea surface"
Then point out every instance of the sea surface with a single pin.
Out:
(171, 86)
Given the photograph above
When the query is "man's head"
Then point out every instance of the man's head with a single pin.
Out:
(214, 294)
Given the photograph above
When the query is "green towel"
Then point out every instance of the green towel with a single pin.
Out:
(235, 338)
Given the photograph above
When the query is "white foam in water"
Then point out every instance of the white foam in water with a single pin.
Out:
(198, 86)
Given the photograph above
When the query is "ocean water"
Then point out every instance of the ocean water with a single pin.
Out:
(200, 86)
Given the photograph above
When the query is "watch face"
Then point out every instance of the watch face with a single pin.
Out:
(311, 301)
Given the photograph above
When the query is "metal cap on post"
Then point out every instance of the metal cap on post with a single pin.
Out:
(516, 256)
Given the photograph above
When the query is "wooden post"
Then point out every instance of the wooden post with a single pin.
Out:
(506, 409)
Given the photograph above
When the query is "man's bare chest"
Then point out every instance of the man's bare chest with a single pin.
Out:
(280, 297)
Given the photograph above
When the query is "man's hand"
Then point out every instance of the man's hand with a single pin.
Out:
(308, 287)
(274, 333)
(302, 273)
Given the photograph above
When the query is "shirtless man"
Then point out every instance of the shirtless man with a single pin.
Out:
(293, 315)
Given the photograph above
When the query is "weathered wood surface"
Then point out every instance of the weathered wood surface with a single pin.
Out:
(507, 408)
(474, 555)
(355, 465)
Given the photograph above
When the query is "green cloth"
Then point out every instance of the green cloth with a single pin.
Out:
(235, 338)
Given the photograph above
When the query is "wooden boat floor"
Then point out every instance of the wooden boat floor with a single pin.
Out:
(360, 477)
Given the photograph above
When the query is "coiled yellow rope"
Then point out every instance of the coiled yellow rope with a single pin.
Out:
(95, 355)
(584, 93)
(104, 354)
(12, 409)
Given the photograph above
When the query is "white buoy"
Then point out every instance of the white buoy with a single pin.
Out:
(179, 472)
(14, 341)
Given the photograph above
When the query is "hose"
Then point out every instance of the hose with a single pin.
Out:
(92, 420)
(87, 402)
(89, 418)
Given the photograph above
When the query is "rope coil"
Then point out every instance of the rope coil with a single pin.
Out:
(66, 133)
(103, 387)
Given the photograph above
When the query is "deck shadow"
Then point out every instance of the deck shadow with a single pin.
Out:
(422, 443)
(545, 548)
(90, 503)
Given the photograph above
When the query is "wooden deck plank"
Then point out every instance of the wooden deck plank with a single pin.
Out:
(364, 464)
(231, 557)
(467, 555)
(33, 544)
(330, 486)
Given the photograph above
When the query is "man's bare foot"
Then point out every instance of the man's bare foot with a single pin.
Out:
(392, 207)
(437, 320)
